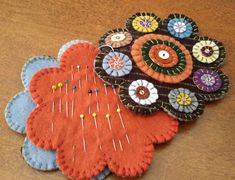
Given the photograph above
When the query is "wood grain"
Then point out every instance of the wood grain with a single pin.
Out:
(202, 150)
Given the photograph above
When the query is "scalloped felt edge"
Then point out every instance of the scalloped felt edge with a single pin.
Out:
(19, 128)
(47, 59)
(29, 152)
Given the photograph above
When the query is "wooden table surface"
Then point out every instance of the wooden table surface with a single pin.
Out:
(202, 150)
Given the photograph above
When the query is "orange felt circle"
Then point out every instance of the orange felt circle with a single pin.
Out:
(136, 52)
(169, 62)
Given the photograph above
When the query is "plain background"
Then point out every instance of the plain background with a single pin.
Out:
(202, 150)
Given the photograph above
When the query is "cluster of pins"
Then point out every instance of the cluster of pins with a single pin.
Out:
(60, 85)
(108, 117)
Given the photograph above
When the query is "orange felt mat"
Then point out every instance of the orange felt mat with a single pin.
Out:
(84, 120)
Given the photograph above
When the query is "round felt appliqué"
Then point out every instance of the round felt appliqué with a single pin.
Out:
(143, 92)
(117, 64)
(207, 80)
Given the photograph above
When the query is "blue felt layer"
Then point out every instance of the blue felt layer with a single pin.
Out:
(68, 45)
(21, 105)
(102, 175)
(34, 65)
(38, 158)
(17, 111)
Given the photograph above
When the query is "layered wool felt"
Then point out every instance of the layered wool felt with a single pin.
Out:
(165, 53)
(38, 158)
(21, 105)
(87, 138)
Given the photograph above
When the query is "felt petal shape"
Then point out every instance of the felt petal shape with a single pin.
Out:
(17, 111)
(68, 45)
(86, 137)
(38, 158)
(35, 64)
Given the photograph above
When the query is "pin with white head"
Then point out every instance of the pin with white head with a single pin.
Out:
(78, 68)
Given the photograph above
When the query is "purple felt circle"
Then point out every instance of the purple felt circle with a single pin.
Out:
(207, 80)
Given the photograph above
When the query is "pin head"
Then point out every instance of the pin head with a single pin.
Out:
(66, 81)
(113, 86)
(60, 84)
(53, 87)
(94, 114)
(81, 116)
(89, 91)
(118, 110)
(107, 115)
(105, 85)
(74, 88)
(96, 90)
(78, 67)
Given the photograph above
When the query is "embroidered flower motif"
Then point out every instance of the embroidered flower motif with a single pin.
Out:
(181, 26)
(183, 100)
(143, 92)
(206, 51)
(117, 64)
(94, 130)
(118, 38)
(162, 57)
(207, 80)
(144, 22)
(166, 59)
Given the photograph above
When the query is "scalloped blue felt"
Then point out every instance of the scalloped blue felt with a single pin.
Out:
(17, 111)
(21, 105)
(18, 108)
(38, 158)
(35, 64)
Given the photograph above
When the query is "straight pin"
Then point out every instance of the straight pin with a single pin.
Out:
(84, 144)
(123, 125)
(120, 144)
(105, 89)
(108, 118)
(96, 126)
(60, 85)
(72, 106)
(114, 89)
(114, 145)
(97, 103)
(79, 84)
(78, 67)
(83, 139)
(89, 94)
(66, 103)
(53, 100)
